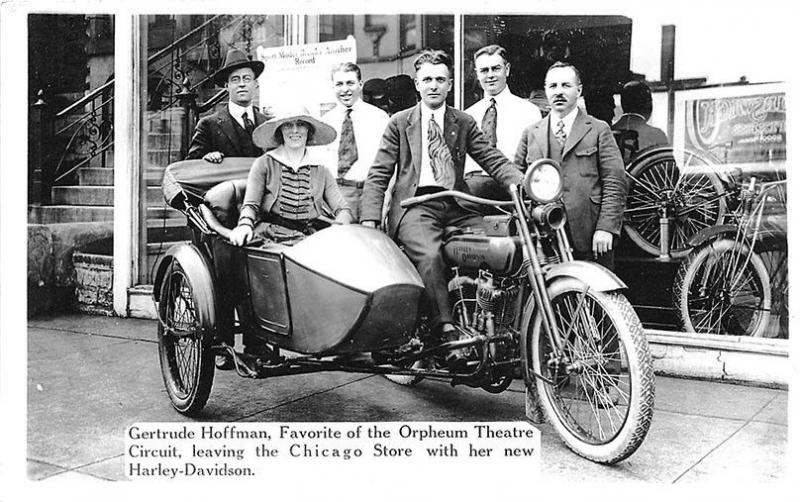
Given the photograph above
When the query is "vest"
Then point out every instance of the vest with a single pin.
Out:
(248, 148)
(553, 146)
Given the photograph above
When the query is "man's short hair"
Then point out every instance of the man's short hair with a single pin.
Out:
(561, 64)
(345, 67)
(434, 57)
(490, 50)
(636, 98)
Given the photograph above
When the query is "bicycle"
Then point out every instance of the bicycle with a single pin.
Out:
(734, 280)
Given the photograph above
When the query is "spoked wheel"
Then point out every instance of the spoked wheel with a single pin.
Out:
(724, 289)
(678, 185)
(602, 394)
(776, 262)
(185, 337)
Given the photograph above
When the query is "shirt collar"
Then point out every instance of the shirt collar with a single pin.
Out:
(279, 154)
(438, 114)
(237, 111)
(568, 120)
(500, 97)
(633, 115)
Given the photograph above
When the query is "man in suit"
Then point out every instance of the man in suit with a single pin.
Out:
(501, 116)
(228, 132)
(594, 176)
(359, 127)
(425, 147)
(637, 105)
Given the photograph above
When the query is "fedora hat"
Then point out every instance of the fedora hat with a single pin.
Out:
(236, 59)
(264, 135)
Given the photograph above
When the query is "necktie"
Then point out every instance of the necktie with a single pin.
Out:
(440, 158)
(348, 151)
(489, 123)
(561, 134)
(248, 124)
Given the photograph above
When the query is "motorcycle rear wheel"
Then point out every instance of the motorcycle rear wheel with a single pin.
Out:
(602, 396)
(185, 338)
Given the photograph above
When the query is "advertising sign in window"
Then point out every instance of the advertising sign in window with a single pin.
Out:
(302, 73)
(743, 128)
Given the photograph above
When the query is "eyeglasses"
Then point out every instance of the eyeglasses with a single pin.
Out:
(236, 79)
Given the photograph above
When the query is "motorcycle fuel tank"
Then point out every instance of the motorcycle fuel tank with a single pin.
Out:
(499, 254)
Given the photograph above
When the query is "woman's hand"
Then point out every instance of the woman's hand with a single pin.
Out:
(241, 234)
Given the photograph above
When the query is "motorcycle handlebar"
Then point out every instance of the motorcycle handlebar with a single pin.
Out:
(413, 201)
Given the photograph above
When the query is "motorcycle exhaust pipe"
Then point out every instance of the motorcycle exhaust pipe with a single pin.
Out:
(552, 215)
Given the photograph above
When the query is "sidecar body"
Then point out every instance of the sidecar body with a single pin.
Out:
(344, 289)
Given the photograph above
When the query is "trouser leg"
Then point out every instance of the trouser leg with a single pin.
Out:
(353, 197)
(421, 231)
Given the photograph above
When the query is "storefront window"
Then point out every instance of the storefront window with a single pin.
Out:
(184, 51)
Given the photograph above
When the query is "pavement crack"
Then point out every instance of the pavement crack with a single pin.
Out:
(76, 468)
(91, 333)
(286, 403)
(710, 452)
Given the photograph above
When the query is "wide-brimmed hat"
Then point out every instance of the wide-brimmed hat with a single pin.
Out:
(264, 135)
(236, 59)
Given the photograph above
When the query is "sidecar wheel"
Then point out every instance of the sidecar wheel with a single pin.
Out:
(602, 394)
(185, 337)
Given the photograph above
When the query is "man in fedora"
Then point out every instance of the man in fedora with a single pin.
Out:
(228, 132)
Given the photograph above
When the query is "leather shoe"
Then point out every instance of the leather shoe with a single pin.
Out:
(258, 352)
(224, 362)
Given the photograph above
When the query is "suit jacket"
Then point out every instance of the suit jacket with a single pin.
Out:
(400, 152)
(595, 186)
(217, 133)
(647, 135)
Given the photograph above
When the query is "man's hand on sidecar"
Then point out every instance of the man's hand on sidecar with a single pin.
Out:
(241, 235)
(214, 157)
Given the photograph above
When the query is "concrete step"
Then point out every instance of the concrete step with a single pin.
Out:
(45, 215)
(165, 140)
(163, 157)
(154, 175)
(97, 176)
(95, 195)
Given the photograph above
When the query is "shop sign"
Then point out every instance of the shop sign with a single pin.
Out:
(739, 129)
(302, 73)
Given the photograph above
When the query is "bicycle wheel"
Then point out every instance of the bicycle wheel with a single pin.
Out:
(602, 394)
(185, 337)
(776, 261)
(721, 288)
(692, 196)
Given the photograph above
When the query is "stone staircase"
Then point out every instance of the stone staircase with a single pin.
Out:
(78, 226)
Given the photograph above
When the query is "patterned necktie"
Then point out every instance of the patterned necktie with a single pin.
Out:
(248, 124)
(348, 151)
(561, 134)
(440, 158)
(489, 123)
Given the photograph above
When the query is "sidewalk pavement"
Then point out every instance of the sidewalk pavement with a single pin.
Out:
(90, 377)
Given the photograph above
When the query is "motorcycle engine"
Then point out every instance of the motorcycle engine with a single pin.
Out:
(486, 303)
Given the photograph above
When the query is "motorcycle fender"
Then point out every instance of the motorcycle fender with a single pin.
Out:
(710, 233)
(192, 261)
(596, 276)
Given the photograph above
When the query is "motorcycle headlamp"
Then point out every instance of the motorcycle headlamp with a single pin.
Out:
(543, 181)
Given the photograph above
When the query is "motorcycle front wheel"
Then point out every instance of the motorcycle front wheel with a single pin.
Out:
(600, 389)
(185, 337)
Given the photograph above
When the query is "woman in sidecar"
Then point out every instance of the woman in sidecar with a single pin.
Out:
(287, 188)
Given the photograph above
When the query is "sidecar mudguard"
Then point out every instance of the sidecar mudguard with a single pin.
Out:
(596, 276)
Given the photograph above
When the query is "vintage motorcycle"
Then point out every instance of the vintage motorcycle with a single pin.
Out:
(347, 299)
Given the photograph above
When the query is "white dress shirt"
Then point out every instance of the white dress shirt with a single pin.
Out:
(369, 123)
(568, 121)
(514, 114)
(426, 177)
(237, 111)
